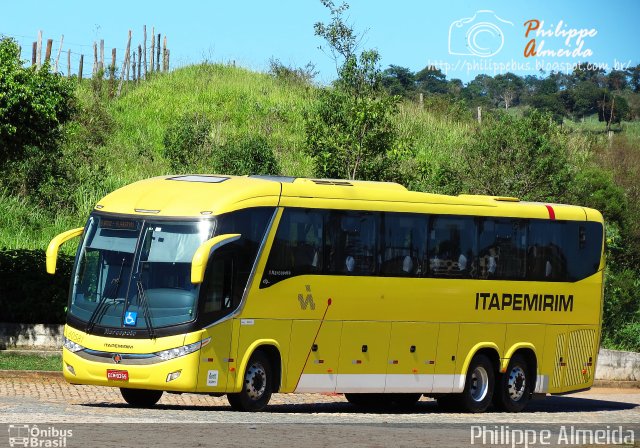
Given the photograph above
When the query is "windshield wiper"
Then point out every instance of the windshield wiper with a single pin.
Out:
(102, 307)
(144, 302)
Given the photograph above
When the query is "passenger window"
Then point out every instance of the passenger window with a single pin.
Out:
(452, 247)
(297, 247)
(404, 243)
(502, 248)
(350, 243)
(547, 240)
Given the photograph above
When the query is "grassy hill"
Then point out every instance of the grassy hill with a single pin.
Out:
(117, 141)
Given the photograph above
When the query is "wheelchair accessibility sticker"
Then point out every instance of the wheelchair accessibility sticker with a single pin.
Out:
(130, 318)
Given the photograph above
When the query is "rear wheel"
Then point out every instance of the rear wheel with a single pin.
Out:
(479, 385)
(513, 388)
(257, 385)
(141, 398)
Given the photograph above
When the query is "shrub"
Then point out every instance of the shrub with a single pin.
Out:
(186, 142)
(251, 155)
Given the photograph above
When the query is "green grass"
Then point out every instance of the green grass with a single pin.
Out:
(240, 103)
(14, 361)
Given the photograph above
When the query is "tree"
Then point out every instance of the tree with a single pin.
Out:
(507, 89)
(34, 104)
(431, 80)
(399, 81)
(512, 156)
(349, 133)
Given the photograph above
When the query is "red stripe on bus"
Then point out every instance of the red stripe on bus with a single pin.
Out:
(552, 214)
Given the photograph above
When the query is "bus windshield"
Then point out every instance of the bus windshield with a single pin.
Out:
(119, 258)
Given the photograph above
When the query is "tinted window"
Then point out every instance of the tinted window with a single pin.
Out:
(547, 241)
(502, 248)
(452, 246)
(239, 255)
(583, 249)
(350, 243)
(404, 244)
(297, 247)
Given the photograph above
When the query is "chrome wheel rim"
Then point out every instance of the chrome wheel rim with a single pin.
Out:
(516, 383)
(479, 384)
(255, 381)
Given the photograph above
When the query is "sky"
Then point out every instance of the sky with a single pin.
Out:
(462, 38)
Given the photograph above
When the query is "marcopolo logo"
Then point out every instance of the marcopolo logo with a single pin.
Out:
(34, 436)
(480, 35)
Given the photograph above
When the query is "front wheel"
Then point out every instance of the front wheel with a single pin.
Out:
(257, 385)
(141, 398)
(513, 388)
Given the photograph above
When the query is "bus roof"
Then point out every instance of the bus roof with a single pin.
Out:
(204, 195)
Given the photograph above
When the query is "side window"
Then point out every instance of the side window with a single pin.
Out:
(251, 224)
(297, 247)
(351, 243)
(452, 247)
(583, 249)
(547, 241)
(217, 289)
(404, 244)
(502, 248)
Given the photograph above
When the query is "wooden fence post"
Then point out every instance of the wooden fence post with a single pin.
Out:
(126, 63)
(112, 68)
(47, 55)
(80, 67)
(153, 49)
(144, 49)
(479, 114)
(34, 53)
(69, 63)
(39, 50)
(139, 60)
(59, 51)
(421, 100)
(164, 54)
(94, 70)
(101, 66)
(134, 67)
(168, 52)
(158, 54)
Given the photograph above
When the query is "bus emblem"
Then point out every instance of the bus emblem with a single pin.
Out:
(307, 301)
(117, 358)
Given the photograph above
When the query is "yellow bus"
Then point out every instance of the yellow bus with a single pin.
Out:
(247, 286)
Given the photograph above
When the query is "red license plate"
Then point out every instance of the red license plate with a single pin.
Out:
(117, 375)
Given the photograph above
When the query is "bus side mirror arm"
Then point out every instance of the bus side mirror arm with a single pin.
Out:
(201, 257)
(54, 245)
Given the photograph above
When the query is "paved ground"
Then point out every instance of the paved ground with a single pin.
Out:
(99, 417)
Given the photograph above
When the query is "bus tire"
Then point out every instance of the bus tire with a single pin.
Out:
(513, 388)
(478, 386)
(140, 398)
(257, 385)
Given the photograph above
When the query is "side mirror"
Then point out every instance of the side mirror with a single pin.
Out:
(54, 245)
(201, 257)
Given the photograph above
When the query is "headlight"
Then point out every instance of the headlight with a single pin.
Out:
(181, 351)
(70, 345)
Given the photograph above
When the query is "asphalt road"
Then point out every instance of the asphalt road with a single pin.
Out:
(100, 417)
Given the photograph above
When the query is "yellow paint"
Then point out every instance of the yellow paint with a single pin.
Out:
(388, 315)
(54, 245)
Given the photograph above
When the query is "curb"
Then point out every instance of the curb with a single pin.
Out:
(616, 384)
(36, 374)
(21, 352)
